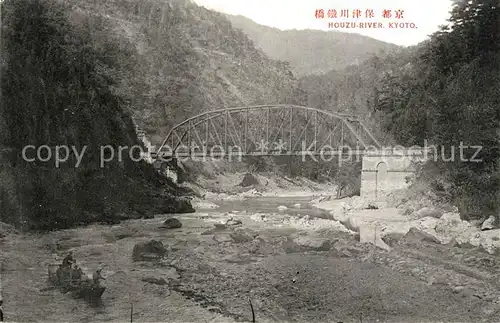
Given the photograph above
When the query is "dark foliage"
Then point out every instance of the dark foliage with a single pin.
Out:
(59, 75)
(452, 97)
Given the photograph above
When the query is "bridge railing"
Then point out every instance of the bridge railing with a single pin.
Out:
(267, 130)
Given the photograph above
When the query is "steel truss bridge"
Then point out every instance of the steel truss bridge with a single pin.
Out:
(266, 130)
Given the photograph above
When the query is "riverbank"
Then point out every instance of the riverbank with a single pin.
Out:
(291, 264)
(241, 185)
(389, 217)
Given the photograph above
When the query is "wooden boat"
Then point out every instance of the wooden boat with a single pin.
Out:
(68, 279)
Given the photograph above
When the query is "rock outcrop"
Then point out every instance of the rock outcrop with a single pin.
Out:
(488, 224)
(426, 212)
(488, 240)
(313, 242)
(241, 235)
(426, 224)
(249, 180)
(417, 235)
(171, 223)
(231, 222)
(148, 250)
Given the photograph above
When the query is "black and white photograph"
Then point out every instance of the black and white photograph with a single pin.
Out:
(250, 161)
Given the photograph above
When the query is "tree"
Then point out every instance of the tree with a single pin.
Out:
(457, 87)
(59, 87)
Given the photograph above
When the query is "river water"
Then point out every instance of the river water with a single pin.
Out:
(270, 204)
(26, 258)
(213, 271)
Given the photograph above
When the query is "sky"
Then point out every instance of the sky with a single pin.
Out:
(426, 15)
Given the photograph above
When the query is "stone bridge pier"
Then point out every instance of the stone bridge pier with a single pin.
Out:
(387, 170)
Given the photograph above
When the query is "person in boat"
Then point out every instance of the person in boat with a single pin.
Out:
(68, 260)
(97, 277)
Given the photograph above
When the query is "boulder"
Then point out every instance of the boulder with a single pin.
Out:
(223, 237)
(426, 212)
(243, 235)
(148, 250)
(208, 232)
(282, 208)
(488, 224)
(417, 235)
(325, 246)
(169, 205)
(313, 243)
(249, 180)
(351, 223)
(451, 226)
(233, 222)
(297, 206)
(428, 225)
(488, 240)
(451, 218)
(171, 223)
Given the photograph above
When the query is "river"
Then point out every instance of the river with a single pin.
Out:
(270, 204)
(210, 276)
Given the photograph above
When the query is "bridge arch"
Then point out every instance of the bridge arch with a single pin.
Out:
(280, 129)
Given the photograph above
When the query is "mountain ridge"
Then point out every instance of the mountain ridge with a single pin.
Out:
(298, 46)
(190, 60)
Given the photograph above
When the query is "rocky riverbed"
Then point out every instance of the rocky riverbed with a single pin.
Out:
(291, 265)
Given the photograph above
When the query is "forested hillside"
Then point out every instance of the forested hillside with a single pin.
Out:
(313, 52)
(451, 95)
(57, 75)
(354, 89)
(189, 60)
(445, 90)
(81, 73)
